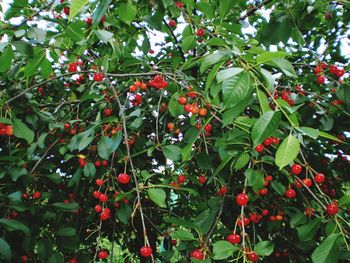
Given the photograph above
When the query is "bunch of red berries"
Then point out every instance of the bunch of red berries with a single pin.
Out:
(6, 129)
(158, 82)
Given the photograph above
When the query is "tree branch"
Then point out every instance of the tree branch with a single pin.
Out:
(177, 44)
(252, 11)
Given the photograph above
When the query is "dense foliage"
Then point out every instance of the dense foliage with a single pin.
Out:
(168, 131)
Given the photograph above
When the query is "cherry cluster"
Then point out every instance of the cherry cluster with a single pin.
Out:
(267, 142)
(6, 129)
(158, 82)
(333, 69)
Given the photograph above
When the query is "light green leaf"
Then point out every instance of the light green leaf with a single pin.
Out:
(264, 248)
(223, 249)
(329, 136)
(215, 41)
(236, 89)
(327, 251)
(6, 59)
(283, 65)
(182, 234)
(214, 58)
(158, 196)
(265, 126)
(227, 73)
(22, 131)
(268, 56)
(287, 151)
(264, 103)
(34, 63)
(311, 132)
(225, 7)
(127, 12)
(104, 35)
(270, 80)
(242, 161)
(188, 43)
(255, 179)
(75, 7)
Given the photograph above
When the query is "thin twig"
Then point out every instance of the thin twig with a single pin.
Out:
(42, 157)
(175, 40)
(253, 10)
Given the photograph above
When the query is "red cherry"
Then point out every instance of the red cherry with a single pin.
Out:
(200, 32)
(107, 112)
(233, 238)
(98, 77)
(268, 141)
(223, 190)
(182, 100)
(290, 193)
(340, 72)
(179, 4)
(319, 178)
(96, 194)
(197, 254)
(82, 162)
(332, 209)
(146, 251)
(66, 126)
(89, 21)
(276, 140)
(25, 196)
(151, 51)
(208, 127)
(202, 179)
(307, 182)
(317, 70)
(265, 212)
(172, 23)
(181, 179)
(296, 169)
(259, 148)
(37, 195)
(99, 182)
(333, 69)
(24, 258)
(263, 191)
(133, 88)
(269, 178)
(9, 130)
(252, 256)
(321, 80)
(103, 254)
(103, 198)
(242, 199)
(103, 19)
(123, 178)
(104, 216)
(323, 65)
(98, 208)
(73, 67)
(97, 163)
(104, 163)
(66, 10)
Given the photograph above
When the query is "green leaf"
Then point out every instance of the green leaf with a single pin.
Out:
(215, 41)
(242, 161)
(308, 231)
(158, 196)
(204, 221)
(13, 225)
(225, 7)
(56, 257)
(104, 35)
(75, 31)
(175, 108)
(182, 234)
(5, 250)
(17, 172)
(214, 58)
(45, 68)
(6, 59)
(287, 151)
(172, 152)
(255, 179)
(65, 232)
(127, 12)
(75, 7)
(327, 251)
(22, 131)
(269, 55)
(278, 187)
(123, 213)
(188, 43)
(283, 65)
(35, 63)
(297, 219)
(70, 207)
(264, 103)
(45, 248)
(104, 147)
(100, 11)
(236, 89)
(344, 200)
(89, 170)
(270, 80)
(265, 126)
(223, 249)
(24, 48)
(227, 73)
(264, 248)
(311, 132)
(329, 136)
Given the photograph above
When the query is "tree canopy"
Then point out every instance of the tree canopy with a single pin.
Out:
(174, 131)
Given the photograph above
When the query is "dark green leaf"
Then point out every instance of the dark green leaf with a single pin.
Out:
(182, 234)
(308, 231)
(327, 251)
(264, 248)
(12, 225)
(172, 152)
(5, 250)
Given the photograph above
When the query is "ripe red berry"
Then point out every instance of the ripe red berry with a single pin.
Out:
(307, 182)
(179, 4)
(290, 193)
(332, 209)
(268, 141)
(202, 112)
(200, 32)
(123, 178)
(321, 80)
(252, 256)
(66, 10)
(202, 179)
(319, 178)
(107, 112)
(146, 251)
(89, 21)
(98, 77)
(340, 72)
(170, 126)
(264, 212)
(24, 258)
(223, 190)
(97, 163)
(172, 23)
(233, 238)
(9, 130)
(66, 126)
(242, 199)
(296, 169)
(333, 69)
(181, 179)
(133, 88)
(98, 208)
(104, 163)
(73, 67)
(36, 195)
(317, 70)
(96, 194)
(263, 191)
(103, 19)
(103, 254)
(259, 148)
(275, 140)
(103, 198)
(99, 182)
(104, 216)
(197, 254)
(208, 127)
(182, 100)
